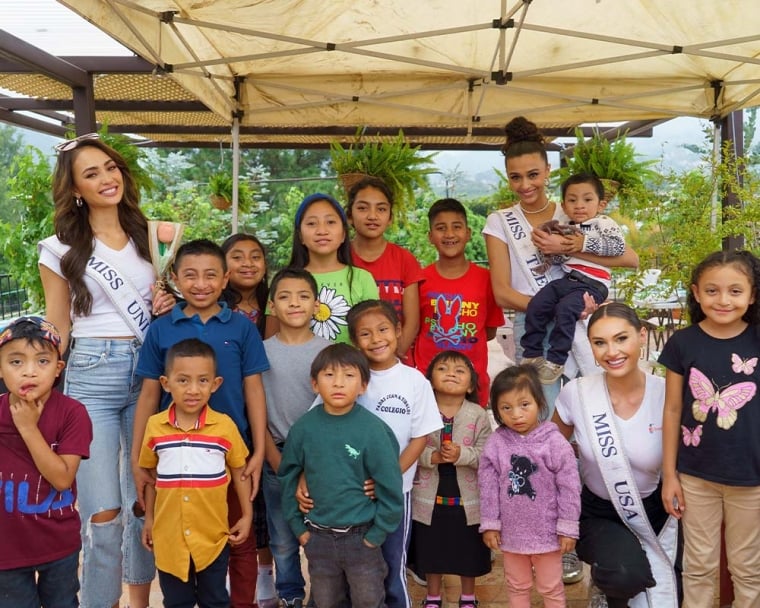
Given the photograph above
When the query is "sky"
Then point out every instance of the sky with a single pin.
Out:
(59, 31)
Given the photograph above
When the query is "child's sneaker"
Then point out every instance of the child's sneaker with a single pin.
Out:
(550, 372)
(537, 362)
(572, 568)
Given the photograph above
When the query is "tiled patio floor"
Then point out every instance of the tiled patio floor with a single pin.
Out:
(489, 589)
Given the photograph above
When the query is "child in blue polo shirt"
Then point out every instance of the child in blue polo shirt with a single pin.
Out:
(200, 273)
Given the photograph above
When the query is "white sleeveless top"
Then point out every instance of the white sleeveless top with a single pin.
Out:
(104, 320)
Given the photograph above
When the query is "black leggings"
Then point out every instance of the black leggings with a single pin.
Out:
(619, 565)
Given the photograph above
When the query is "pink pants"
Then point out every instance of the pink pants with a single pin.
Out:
(518, 572)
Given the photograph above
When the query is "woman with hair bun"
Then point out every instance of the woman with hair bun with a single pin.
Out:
(514, 240)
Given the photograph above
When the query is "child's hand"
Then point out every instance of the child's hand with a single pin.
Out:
(566, 544)
(578, 239)
(492, 539)
(589, 306)
(142, 479)
(253, 470)
(305, 503)
(25, 414)
(147, 534)
(450, 451)
(240, 531)
(369, 488)
(304, 538)
(369, 544)
(672, 496)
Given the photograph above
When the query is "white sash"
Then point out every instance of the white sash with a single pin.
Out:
(517, 229)
(604, 437)
(124, 296)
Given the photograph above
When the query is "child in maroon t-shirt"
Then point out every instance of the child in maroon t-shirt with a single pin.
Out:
(43, 436)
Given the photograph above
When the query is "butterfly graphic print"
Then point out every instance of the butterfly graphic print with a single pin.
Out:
(691, 437)
(743, 366)
(724, 402)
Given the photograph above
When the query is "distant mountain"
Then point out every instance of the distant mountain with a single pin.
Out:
(472, 173)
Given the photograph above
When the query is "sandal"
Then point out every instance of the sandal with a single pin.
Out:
(426, 603)
(468, 603)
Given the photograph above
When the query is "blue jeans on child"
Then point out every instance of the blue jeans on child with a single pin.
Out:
(205, 588)
(560, 301)
(283, 544)
(51, 585)
(100, 374)
(341, 561)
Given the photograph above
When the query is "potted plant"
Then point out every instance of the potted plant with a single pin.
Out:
(613, 161)
(220, 187)
(397, 163)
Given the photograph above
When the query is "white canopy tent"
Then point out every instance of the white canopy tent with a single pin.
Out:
(464, 68)
(451, 73)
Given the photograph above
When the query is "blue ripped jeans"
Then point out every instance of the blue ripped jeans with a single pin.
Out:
(100, 374)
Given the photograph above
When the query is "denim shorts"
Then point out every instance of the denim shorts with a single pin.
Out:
(101, 374)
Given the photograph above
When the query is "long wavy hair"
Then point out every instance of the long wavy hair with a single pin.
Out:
(232, 296)
(72, 223)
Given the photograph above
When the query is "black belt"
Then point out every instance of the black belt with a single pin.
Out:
(574, 275)
(355, 529)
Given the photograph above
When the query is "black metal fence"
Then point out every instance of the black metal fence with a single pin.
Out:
(12, 297)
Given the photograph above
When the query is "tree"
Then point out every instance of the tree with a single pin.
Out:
(11, 145)
(30, 191)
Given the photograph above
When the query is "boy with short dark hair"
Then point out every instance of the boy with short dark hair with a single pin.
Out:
(292, 301)
(189, 448)
(200, 274)
(338, 445)
(457, 307)
(43, 436)
(562, 300)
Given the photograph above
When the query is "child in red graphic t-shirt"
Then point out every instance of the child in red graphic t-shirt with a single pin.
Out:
(457, 308)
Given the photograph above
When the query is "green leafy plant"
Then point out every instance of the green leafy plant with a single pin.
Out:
(395, 161)
(614, 160)
(220, 186)
(30, 187)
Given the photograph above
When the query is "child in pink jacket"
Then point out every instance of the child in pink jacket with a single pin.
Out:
(529, 489)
